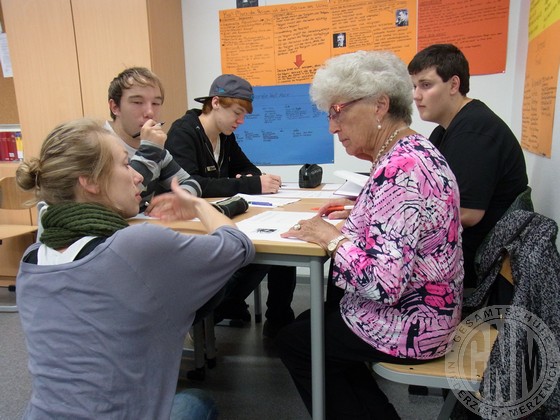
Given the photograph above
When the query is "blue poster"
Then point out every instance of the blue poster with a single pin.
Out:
(285, 128)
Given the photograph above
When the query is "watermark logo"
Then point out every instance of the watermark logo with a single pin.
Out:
(521, 380)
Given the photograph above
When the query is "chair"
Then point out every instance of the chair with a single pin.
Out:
(204, 348)
(432, 374)
(435, 374)
(16, 231)
(529, 239)
(521, 249)
(522, 202)
(258, 304)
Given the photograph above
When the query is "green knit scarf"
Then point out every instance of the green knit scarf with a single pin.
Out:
(65, 223)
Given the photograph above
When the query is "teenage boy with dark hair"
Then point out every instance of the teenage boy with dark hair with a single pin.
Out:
(480, 148)
(135, 98)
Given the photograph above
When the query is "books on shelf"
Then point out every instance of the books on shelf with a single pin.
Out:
(11, 146)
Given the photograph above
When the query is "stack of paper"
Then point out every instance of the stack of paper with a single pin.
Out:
(353, 185)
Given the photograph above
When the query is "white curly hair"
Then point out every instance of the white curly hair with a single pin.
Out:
(364, 74)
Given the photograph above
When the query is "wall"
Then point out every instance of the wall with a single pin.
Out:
(501, 92)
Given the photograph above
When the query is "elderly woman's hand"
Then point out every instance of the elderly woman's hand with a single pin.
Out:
(314, 230)
(329, 210)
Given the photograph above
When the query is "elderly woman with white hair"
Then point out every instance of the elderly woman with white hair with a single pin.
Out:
(395, 287)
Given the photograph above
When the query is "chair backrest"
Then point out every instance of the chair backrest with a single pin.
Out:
(505, 271)
(492, 353)
(522, 202)
(12, 197)
(15, 204)
(16, 208)
(529, 239)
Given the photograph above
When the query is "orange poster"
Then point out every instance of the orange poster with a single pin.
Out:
(478, 27)
(375, 25)
(270, 45)
(286, 44)
(541, 77)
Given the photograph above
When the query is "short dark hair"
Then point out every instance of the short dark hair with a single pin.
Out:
(128, 78)
(447, 59)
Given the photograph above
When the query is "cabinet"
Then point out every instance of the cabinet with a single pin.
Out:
(66, 52)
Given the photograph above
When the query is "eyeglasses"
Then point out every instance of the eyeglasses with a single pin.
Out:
(336, 109)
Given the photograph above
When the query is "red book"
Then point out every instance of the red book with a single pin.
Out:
(12, 146)
(4, 154)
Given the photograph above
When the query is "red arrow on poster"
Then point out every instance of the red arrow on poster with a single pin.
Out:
(298, 61)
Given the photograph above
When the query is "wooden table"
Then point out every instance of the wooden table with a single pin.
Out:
(294, 254)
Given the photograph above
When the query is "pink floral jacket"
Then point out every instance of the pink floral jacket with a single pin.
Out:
(402, 270)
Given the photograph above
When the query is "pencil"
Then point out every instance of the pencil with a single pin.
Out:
(138, 134)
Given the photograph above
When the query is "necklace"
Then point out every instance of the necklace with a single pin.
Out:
(387, 142)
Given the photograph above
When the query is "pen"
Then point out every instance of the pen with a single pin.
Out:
(335, 208)
(138, 134)
(260, 203)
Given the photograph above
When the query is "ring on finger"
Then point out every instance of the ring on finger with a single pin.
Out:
(297, 226)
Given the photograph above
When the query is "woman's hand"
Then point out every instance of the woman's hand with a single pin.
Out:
(181, 205)
(314, 230)
(176, 205)
(327, 209)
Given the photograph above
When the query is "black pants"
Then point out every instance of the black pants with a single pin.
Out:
(281, 285)
(351, 390)
(210, 305)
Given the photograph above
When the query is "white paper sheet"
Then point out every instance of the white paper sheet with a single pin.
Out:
(354, 184)
(290, 185)
(349, 189)
(305, 194)
(331, 187)
(270, 224)
(292, 189)
(358, 179)
(267, 200)
(5, 60)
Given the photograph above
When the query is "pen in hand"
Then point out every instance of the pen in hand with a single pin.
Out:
(138, 134)
(335, 208)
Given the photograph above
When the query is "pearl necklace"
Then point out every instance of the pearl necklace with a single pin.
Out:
(387, 142)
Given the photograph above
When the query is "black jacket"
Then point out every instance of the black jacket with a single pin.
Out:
(191, 149)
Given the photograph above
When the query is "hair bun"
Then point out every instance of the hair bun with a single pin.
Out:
(28, 173)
